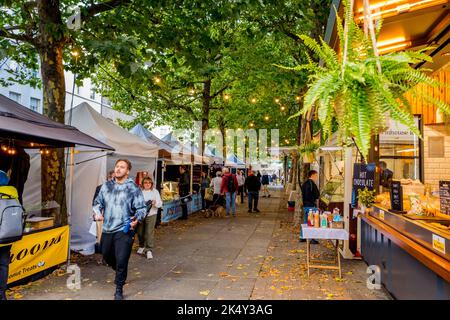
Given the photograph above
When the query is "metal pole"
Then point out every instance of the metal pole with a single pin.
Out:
(69, 198)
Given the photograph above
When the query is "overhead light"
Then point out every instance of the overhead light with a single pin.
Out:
(407, 150)
(394, 47)
(390, 41)
(277, 100)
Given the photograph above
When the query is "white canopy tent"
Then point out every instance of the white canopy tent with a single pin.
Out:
(91, 167)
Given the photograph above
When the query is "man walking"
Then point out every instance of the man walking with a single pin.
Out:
(253, 185)
(310, 197)
(229, 187)
(184, 186)
(120, 204)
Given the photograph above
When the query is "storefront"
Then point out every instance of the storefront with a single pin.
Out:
(406, 237)
(45, 243)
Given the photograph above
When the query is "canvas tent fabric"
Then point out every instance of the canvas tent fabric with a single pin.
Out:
(19, 122)
(164, 149)
(91, 167)
(184, 153)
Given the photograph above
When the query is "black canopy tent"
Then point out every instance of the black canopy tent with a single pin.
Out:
(22, 128)
(30, 129)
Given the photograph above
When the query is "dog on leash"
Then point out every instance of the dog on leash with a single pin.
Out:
(220, 212)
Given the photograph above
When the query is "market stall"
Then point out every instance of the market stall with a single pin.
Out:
(91, 167)
(45, 243)
(172, 155)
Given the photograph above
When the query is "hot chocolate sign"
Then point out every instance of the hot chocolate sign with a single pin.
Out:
(363, 176)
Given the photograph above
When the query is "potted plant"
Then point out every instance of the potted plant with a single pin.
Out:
(366, 198)
(359, 89)
(307, 150)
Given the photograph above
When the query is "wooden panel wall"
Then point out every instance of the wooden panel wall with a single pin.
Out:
(425, 108)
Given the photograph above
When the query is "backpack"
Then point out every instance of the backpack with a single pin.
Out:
(230, 184)
(12, 219)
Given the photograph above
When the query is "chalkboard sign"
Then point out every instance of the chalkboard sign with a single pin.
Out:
(363, 176)
(396, 196)
(444, 194)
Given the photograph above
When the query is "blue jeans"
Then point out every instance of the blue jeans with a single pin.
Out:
(305, 217)
(231, 197)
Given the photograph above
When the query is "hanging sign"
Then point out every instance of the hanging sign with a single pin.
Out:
(363, 176)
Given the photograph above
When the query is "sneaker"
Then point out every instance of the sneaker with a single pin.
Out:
(249, 211)
(149, 255)
(140, 251)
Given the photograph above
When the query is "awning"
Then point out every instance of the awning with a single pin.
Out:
(26, 126)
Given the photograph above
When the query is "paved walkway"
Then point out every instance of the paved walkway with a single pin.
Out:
(248, 257)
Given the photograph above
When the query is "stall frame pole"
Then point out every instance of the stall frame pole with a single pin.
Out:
(69, 197)
(348, 178)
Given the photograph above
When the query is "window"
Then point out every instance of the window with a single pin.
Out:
(15, 96)
(92, 96)
(106, 101)
(35, 104)
(401, 151)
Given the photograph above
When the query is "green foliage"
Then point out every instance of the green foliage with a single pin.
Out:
(356, 93)
(308, 148)
(366, 197)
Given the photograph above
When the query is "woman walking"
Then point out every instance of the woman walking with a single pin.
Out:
(146, 229)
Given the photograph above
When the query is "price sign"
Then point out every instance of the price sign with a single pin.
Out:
(381, 215)
(396, 196)
(444, 195)
(439, 243)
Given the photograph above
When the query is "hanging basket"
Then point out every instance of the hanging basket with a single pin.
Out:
(308, 158)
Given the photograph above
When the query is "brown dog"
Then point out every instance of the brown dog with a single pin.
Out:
(220, 212)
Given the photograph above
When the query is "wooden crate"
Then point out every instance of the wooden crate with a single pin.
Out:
(41, 222)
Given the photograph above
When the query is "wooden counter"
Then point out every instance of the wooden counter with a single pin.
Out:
(431, 260)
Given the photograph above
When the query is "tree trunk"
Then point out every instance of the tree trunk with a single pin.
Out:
(206, 104)
(51, 42)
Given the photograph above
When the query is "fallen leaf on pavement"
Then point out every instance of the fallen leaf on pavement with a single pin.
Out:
(204, 293)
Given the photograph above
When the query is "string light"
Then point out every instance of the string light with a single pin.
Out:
(226, 97)
(266, 118)
(252, 124)
(253, 100)
(75, 53)
(4, 148)
(192, 92)
(31, 144)
(283, 108)
(157, 80)
(277, 100)
(297, 98)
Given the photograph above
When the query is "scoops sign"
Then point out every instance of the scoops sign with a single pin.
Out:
(38, 251)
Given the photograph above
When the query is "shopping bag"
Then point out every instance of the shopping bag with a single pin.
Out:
(93, 228)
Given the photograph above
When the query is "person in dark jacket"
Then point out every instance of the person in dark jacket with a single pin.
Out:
(229, 188)
(97, 190)
(310, 196)
(265, 183)
(184, 187)
(252, 185)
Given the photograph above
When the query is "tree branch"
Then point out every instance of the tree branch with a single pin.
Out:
(94, 9)
(222, 89)
(19, 37)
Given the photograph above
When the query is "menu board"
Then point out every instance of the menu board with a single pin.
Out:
(444, 195)
(363, 176)
(396, 196)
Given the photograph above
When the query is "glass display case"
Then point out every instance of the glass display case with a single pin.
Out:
(333, 190)
(169, 191)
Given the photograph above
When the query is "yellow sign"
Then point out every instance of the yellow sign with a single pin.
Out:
(381, 215)
(38, 251)
(439, 243)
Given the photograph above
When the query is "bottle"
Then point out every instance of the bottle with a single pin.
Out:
(310, 218)
(316, 220)
(323, 221)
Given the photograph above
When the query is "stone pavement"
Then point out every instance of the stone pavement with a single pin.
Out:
(248, 257)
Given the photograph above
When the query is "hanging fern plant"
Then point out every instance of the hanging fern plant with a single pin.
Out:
(360, 89)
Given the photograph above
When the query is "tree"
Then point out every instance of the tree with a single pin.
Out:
(36, 33)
